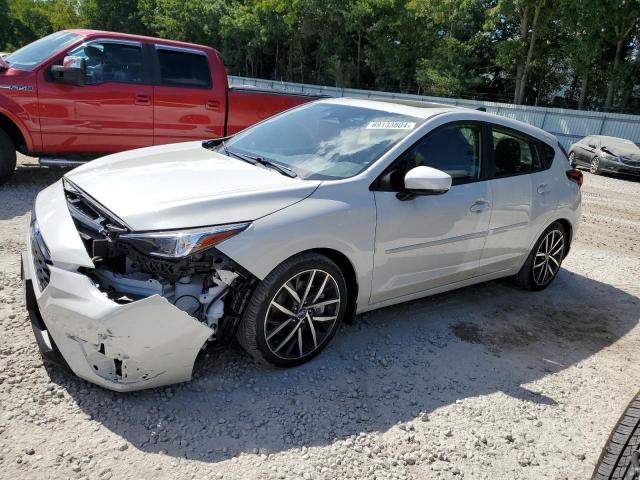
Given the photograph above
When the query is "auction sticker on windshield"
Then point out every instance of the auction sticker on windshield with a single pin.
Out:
(391, 126)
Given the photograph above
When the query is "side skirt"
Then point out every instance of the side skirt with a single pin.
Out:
(436, 290)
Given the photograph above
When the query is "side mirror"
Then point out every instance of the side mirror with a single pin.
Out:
(73, 71)
(591, 145)
(425, 181)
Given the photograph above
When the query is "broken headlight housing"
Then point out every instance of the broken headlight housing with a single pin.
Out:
(176, 244)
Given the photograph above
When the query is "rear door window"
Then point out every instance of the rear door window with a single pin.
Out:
(183, 69)
(512, 154)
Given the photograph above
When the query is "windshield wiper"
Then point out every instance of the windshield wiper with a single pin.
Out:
(254, 159)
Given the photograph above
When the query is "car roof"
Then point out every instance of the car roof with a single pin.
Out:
(88, 34)
(425, 110)
(606, 137)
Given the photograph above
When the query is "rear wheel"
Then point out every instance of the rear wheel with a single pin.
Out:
(295, 311)
(7, 157)
(543, 263)
(594, 167)
(620, 458)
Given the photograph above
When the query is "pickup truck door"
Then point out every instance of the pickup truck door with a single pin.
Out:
(112, 112)
(188, 104)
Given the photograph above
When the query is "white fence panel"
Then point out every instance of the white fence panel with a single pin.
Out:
(568, 125)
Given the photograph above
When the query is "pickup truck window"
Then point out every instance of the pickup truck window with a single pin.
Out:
(30, 56)
(183, 69)
(111, 62)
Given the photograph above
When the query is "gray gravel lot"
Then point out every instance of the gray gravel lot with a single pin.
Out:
(485, 382)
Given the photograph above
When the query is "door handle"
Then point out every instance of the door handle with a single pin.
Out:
(213, 105)
(479, 206)
(543, 188)
(143, 100)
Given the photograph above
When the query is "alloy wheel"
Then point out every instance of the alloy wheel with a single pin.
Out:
(302, 314)
(595, 165)
(572, 159)
(548, 257)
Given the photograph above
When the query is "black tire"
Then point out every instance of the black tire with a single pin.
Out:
(615, 461)
(527, 277)
(251, 333)
(7, 157)
(594, 166)
(572, 160)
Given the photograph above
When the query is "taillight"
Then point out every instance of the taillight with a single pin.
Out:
(576, 176)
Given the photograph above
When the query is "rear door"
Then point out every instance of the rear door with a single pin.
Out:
(523, 197)
(112, 112)
(587, 150)
(186, 104)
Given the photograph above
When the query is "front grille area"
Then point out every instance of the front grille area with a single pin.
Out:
(41, 260)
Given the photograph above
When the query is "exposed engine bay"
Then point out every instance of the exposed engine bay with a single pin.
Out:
(207, 285)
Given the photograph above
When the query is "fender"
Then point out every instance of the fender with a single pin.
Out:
(331, 218)
(31, 144)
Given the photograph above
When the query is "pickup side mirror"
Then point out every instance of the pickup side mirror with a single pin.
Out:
(73, 71)
(425, 181)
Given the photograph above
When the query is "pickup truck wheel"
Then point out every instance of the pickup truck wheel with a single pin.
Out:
(295, 311)
(544, 260)
(7, 157)
(620, 457)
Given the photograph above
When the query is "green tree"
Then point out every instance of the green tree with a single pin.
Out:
(113, 15)
(518, 26)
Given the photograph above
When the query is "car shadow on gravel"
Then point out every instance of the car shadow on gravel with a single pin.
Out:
(18, 194)
(391, 366)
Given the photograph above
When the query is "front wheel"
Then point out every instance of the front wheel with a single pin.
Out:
(295, 311)
(594, 167)
(572, 159)
(543, 263)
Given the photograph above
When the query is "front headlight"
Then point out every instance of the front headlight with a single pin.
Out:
(181, 243)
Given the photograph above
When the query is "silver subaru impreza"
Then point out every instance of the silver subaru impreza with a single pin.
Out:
(137, 261)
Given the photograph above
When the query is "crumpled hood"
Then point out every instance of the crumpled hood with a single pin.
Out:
(185, 185)
(630, 152)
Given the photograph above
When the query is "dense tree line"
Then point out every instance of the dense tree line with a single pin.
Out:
(570, 53)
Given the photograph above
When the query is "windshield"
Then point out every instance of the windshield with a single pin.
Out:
(324, 140)
(30, 56)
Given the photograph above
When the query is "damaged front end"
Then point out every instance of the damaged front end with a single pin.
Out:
(139, 316)
(183, 267)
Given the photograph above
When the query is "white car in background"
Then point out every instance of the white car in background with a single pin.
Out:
(138, 260)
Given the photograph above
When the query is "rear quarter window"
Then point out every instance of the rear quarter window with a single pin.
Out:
(546, 154)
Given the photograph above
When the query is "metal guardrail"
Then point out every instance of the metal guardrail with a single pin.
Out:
(568, 125)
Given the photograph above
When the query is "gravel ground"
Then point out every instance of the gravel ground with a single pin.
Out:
(485, 382)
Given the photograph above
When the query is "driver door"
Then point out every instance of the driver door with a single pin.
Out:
(111, 112)
(429, 241)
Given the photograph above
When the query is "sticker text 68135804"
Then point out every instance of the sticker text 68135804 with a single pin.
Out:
(391, 126)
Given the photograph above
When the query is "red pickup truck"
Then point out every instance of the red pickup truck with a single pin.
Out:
(79, 94)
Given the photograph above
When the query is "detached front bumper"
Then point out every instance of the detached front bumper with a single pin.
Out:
(122, 347)
(619, 168)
